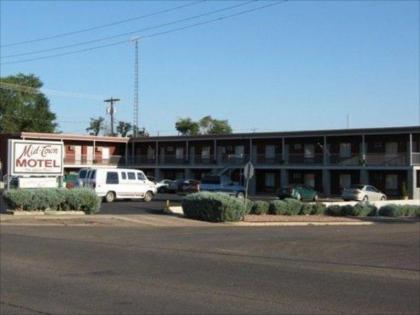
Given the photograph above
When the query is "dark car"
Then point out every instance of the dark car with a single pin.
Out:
(216, 183)
(299, 192)
(190, 186)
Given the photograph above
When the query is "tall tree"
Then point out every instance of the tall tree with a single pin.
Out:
(187, 127)
(123, 128)
(23, 107)
(96, 125)
(220, 127)
(206, 123)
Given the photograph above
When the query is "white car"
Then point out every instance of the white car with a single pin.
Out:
(363, 193)
(116, 183)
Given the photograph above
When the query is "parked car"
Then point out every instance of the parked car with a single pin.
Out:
(299, 192)
(363, 193)
(163, 185)
(111, 184)
(175, 186)
(190, 186)
(216, 183)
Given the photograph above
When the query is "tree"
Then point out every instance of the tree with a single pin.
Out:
(96, 125)
(205, 126)
(23, 107)
(123, 128)
(187, 127)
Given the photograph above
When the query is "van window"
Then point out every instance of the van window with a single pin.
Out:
(82, 174)
(92, 174)
(131, 175)
(123, 175)
(140, 176)
(112, 178)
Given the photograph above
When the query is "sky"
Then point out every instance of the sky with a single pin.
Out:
(297, 65)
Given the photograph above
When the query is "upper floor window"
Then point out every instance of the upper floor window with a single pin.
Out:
(270, 151)
(179, 153)
(391, 148)
(309, 151)
(345, 150)
(205, 152)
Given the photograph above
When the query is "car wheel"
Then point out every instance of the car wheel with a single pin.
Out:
(148, 196)
(383, 198)
(240, 195)
(315, 197)
(110, 196)
(365, 198)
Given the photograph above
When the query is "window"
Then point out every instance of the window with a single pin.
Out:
(345, 181)
(239, 150)
(345, 150)
(112, 178)
(270, 151)
(371, 188)
(418, 179)
(391, 148)
(82, 174)
(140, 176)
(92, 174)
(309, 179)
(269, 180)
(150, 153)
(205, 153)
(131, 175)
(123, 175)
(391, 181)
(179, 153)
(309, 151)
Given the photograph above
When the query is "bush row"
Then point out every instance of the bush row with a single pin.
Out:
(286, 207)
(80, 199)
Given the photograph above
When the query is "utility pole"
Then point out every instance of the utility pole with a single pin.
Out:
(136, 87)
(111, 111)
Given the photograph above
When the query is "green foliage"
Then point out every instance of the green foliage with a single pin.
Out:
(123, 128)
(293, 206)
(393, 210)
(53, 199)
(362, 210)
(334, 210)
(187, 127)
(248, 206)
(96, 125)
(23, 107)
(260, 207)
(278, 207)
(213, 207)
(318, 208)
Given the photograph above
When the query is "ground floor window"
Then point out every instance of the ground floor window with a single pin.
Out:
(391, 181)
(269, 180)
(309, 179)
(345, 181)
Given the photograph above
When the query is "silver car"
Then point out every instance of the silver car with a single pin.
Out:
(363, 193)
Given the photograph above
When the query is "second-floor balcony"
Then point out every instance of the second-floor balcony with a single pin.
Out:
(233, 159)
(263, 159)
(384, 159)
(112, 160)
(301, 158)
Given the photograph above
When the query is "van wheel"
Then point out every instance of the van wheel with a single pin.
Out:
(110, 196)
(148, 196)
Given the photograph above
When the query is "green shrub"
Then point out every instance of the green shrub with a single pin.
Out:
(393, 210)
(363, 210)
(278, 207)
(248, 206)
(52, 199)
(260, 207)
(293, 206)
(334, 210)
(306, 209)
(318, 208)
(213, 207)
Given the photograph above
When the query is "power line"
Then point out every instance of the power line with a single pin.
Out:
(103, 25)
(128, 33)
(146, 36)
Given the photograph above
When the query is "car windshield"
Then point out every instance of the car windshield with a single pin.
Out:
(357, 187)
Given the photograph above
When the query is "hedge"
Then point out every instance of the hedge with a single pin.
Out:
(393, 210)
(213, 207)
(81, 199)
(260, 207)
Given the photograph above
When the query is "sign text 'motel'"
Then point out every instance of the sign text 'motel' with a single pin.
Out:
(36, 158)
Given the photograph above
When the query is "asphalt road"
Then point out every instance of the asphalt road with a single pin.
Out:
(210, 270)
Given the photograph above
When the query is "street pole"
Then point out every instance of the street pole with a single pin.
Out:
(111, 110)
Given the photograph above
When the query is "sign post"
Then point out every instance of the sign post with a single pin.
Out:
(248, 174)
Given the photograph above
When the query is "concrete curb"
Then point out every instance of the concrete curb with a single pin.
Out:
(42, 213)
(244, 224)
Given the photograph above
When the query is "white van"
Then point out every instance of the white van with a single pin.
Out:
(118, 183)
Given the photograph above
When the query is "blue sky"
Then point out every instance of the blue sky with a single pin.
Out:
(297, 65)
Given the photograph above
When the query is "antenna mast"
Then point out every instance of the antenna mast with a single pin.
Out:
(136, 88)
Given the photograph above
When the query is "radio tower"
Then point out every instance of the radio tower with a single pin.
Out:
(136, 88)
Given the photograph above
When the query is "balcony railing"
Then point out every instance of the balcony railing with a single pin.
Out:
(85, 160)
(141, 160)
(383, 159)
(233, 159)
(415, 158)
(172, 159)
(265, 160)
(202, 160)
(339, 160)
(298, 158)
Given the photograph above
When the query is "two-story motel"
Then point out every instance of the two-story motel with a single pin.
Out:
(328, 160)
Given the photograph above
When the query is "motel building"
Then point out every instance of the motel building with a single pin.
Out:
(328, 160)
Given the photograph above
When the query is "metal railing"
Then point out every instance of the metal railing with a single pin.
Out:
(264, 160)
(233, 159)
(202, 160)
(173, 159)
(383, 159)
(85, 160)
(415, 158)
(300, 158)
(141, 160)
(337, 159)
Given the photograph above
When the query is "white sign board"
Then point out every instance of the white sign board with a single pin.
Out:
(249, 170)
(38, 182)
(44, 158)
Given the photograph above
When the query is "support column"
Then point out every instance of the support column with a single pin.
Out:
(410, 150)
(187, 150)
(215, 151)
(325, 152)
(251, 154)
(416, 184)
(133, 158)
(411, 183)
(157, 153)
(326, 182)
(284, 178)
(126, 154)
(283, 150)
